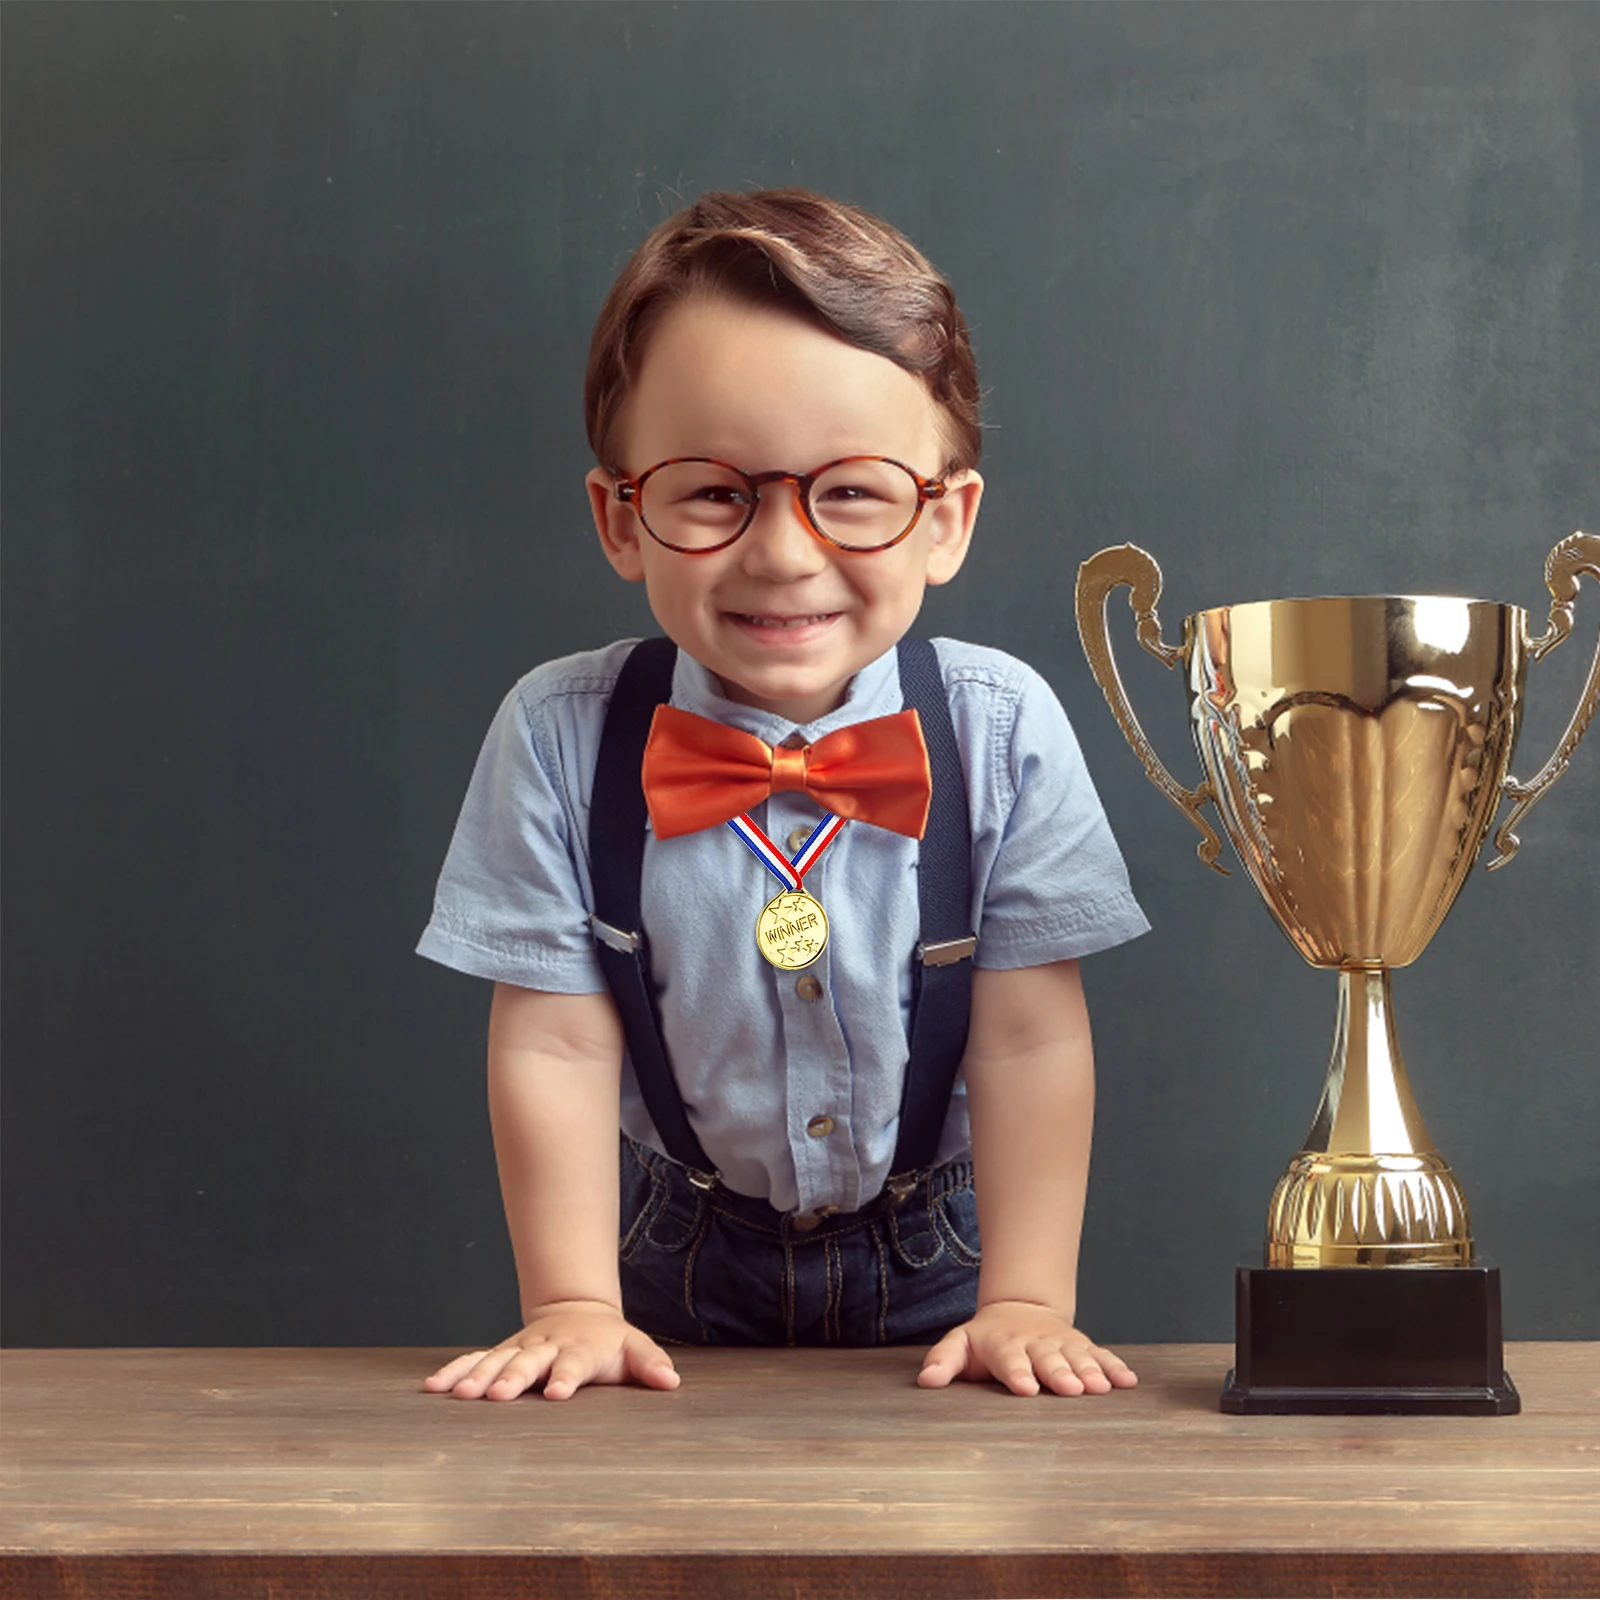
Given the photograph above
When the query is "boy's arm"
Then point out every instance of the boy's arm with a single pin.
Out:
(1029, 1069)
(555, 1066)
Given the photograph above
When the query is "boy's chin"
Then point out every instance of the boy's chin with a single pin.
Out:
(796, 697)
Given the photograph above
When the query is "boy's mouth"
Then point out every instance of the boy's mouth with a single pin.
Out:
(781, 624)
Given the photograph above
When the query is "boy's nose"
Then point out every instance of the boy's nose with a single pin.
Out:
(779, 543)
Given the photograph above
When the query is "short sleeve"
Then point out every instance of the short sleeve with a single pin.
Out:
(1054, 885)
(512, 903)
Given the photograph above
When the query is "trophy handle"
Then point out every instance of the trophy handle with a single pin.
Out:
(1566, 564)
(1127, 564)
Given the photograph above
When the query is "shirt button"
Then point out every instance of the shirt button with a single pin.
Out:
(797, 837)
(820, 1127)
(804, 1221)
(808, 988)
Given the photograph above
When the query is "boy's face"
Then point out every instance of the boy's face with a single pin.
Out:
(784, 619)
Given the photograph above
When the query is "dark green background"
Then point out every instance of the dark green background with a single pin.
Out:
(1304, 298)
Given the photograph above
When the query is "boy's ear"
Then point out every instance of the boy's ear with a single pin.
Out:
(617, 524)
(953, 517)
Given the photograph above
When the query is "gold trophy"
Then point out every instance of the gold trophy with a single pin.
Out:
(1356, 750)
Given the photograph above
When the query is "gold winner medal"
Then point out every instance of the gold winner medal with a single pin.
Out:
(792, 930)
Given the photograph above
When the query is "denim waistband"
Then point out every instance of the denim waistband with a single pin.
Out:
(920, 1194)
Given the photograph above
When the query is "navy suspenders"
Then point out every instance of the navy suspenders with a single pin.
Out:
(941, 972)
(941, 995)
(617, 817)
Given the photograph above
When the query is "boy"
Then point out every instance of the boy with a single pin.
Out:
(782, 399)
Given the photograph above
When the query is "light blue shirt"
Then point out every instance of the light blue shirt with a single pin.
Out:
(756, 1060)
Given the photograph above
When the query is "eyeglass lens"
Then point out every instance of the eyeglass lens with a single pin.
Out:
(697, 505)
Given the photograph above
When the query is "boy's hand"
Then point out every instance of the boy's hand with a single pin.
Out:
(567, 1343)
(1025, 1346)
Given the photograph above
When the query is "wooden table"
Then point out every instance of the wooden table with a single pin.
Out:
(297, 1473)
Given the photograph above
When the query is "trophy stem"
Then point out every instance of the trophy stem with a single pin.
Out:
(1368, 1188)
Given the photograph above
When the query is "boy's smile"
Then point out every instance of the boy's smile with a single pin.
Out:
(783, 618)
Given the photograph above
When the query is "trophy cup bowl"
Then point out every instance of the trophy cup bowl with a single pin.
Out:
(1356, 750)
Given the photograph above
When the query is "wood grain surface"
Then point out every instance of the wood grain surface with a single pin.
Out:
(312, 1472)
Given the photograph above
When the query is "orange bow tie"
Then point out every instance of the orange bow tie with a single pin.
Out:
(698, 773)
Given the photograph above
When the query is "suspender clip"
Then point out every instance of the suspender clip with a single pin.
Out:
(625, 944)
(946, 952)
(702, 1180)
(900, 1186)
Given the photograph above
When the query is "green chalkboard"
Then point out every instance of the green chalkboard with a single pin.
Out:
(1304, 298)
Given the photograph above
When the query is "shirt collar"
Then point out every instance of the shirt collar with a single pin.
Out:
(873, 692)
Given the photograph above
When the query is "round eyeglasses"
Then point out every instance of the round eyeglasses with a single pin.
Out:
(695, 505)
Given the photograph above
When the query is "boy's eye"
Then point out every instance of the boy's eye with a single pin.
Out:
(719, 494)
(865, 503)
(694, 503)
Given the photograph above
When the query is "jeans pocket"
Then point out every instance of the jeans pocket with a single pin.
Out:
(643, 1194)
(930, 1282)
(678, 1221)
(659, 1253)
(912, 1235)
(955, 1218)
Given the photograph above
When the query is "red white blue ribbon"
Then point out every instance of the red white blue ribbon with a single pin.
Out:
(788, 873)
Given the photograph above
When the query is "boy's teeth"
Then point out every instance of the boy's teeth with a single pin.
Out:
(785, 622)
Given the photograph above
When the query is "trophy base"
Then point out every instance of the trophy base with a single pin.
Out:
(1364, 1341)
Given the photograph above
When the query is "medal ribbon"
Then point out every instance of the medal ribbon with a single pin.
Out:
(788, 873)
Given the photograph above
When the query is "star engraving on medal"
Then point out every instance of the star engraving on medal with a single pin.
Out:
(792, 931)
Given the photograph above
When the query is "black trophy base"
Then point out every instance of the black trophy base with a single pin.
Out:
(1369, 1341)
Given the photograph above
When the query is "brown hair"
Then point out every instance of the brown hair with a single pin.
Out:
(833, 264)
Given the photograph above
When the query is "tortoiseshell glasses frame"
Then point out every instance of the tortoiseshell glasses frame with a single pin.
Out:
(631, 492)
